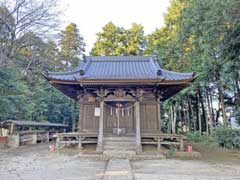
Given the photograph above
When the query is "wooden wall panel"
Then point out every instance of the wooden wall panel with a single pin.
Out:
(149, 117)
(89, 122)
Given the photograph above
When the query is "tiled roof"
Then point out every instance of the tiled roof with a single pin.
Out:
(34, 123)
(119, 67)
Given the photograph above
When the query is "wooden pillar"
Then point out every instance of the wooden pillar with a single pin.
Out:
(159, 114)
(138, 127)
(80, 115)
(100, 132)
(73, 116)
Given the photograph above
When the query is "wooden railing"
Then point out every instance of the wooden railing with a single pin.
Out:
(163, 139)
(76, 139)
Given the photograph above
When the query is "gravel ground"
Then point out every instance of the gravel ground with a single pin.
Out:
(184, 170)
(36, 163)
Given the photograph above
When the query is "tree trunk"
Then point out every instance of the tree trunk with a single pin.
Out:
(199, 116)
(173, 118)
(221, 99)
(191, 114)
(188, 121)
(203, 111)
(237, 93)
(211, 105)
(209, 110)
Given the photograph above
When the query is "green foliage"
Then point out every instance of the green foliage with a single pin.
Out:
(198, 138)
(26, 100)
(228, 138)
(72, 45)
(114, 40)
(170, 153)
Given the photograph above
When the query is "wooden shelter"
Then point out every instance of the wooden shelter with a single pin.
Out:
(19, 132)
(120, 95)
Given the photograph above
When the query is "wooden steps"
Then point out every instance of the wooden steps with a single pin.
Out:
(119, 145)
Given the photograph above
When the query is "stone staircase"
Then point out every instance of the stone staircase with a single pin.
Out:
(119, 146)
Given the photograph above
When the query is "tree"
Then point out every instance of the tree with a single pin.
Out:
(135, 42)
(114, 40)
(20, 16)
(71, 44)
(109, 41)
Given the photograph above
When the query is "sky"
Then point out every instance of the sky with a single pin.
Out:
(91, 15)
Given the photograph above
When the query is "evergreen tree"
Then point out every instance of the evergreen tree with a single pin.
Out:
(71, 44)
(114, 40)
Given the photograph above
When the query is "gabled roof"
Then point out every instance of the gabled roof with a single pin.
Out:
(119, 68)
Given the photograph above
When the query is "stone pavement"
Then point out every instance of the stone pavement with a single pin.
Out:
(118, 169)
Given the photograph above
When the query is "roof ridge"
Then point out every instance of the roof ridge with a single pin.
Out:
(120, 58)
(65, 72)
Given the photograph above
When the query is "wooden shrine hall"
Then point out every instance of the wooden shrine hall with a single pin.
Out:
(120, 95)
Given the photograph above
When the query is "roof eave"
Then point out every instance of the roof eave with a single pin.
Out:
(159, 81)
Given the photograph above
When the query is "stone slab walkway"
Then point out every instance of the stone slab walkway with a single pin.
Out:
(118, 169)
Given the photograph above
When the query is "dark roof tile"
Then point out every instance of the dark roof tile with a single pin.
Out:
(119, 67)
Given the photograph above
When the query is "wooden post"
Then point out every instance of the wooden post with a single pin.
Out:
(159, 114)
(80, 121)
(138, 127)
(47, 136)
(181, 145)
(12, 128)
(73, 116)
(159, 144)
(100, 132)
(80, 142)
(57, 142)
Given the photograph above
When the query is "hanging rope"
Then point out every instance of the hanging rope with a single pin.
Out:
(121, 108)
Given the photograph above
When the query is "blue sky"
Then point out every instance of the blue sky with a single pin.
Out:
(92, 15)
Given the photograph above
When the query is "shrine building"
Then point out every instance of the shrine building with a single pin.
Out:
(120, 95)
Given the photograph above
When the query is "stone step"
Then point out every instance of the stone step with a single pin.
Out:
(132, 148)
(120, 138)
(119, 143)
(116, 153)
(114, 146)
(118, 169)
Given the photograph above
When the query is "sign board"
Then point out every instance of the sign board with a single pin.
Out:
(97, 111)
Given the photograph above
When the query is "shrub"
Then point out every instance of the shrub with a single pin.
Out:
(197, 137)
(228, 138)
